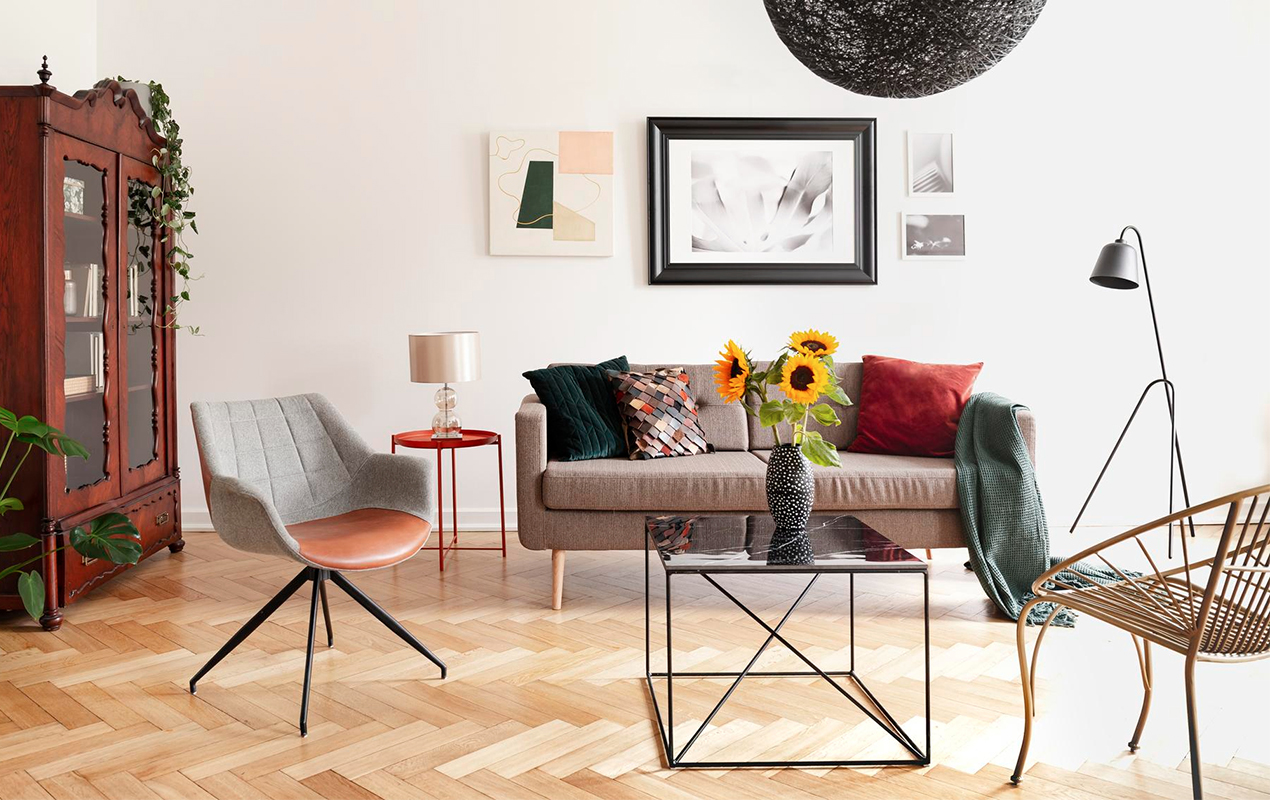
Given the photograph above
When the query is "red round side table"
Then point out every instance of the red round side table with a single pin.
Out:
(422, 440)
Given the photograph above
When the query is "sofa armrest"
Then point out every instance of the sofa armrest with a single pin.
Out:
(1027, 426)
(531, 463)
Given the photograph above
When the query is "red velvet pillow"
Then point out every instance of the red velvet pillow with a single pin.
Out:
(911, 409)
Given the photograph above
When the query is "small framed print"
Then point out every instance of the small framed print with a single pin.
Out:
(933, 237)
(930, 164)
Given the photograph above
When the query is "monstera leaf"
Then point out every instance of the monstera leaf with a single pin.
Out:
(111, 536)
(30, 430)
(31, 589)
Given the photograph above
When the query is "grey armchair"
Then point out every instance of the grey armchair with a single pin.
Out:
(289, 477)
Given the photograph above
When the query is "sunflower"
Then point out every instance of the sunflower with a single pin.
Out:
(732, 373)
(804, 378)
(813, 343)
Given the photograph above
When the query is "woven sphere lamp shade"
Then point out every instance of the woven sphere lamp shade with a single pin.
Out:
(1117, 267)
(901, 48)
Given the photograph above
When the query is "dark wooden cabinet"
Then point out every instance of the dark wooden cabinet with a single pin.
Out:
(83, 287)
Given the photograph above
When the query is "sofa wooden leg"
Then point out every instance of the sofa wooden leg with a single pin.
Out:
(929, 554)
(557, 579)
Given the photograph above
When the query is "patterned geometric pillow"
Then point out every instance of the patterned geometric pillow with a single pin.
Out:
(660, 413)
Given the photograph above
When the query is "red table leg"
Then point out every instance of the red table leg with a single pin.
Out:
(502, 508)
(454, 495)
(440, 515)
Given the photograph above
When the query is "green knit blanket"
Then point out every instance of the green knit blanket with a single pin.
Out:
(1002, 513)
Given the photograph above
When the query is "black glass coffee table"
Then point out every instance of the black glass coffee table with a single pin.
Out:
(748, 547)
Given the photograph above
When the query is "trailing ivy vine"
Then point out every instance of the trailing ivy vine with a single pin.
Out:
(170, 198)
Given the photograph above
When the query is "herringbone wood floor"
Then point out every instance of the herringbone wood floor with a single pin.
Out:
(543, 704)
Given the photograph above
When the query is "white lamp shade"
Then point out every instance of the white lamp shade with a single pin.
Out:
(445, 357)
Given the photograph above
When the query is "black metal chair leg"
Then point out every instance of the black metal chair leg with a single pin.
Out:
(263, 614)
(386, 618)
(326, 614)
(308, 656)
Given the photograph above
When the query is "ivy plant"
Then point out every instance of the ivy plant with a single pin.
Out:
(111, 536)
(170, 198)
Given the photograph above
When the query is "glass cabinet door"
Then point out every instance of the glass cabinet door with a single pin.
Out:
(82, 259)
(141, 335)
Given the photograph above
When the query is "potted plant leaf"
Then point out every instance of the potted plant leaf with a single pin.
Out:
(111, 536)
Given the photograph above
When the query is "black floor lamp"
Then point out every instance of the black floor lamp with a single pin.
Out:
(1117, 268)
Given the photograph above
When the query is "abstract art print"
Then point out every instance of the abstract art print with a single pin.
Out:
(930, 163)
(551, 193)
(934, 236)
(761, 200)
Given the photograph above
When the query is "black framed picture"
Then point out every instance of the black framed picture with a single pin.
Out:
(762, 200)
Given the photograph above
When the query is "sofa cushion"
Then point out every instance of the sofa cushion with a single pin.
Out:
(724, 423)
(909, 408)
(870, 481)
(659, 413)
(726, 481)
(582, 417)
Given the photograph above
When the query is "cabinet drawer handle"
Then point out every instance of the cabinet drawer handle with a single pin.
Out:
(85, 560)
(161, 518)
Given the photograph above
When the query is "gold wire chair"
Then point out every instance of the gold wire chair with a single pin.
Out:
(1212, 609)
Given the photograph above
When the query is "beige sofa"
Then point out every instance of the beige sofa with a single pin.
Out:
(601, 504)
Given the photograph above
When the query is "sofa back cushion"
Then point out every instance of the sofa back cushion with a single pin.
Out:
(850, 376)
(724, 423)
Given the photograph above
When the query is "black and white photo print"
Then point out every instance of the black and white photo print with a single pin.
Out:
(934, 236)
(762, 202)
(930, 163)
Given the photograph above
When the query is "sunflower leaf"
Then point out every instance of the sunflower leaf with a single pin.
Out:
(818, 451)
(825, 415)
(836, 394)
(777, 367)
(771, 413)
(794, 411)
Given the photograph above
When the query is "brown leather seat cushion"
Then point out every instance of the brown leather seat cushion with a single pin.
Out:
(368, 538)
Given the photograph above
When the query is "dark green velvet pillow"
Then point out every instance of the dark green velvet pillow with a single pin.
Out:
(582, 417)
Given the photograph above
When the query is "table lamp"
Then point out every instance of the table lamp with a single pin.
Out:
(445, 357)
(1117, 268)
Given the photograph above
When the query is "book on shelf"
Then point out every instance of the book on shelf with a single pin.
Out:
(87, 279)
(97, 356)
(79, 384)
(134, 282)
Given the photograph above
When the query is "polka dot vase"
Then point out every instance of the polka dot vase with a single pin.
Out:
(790, 547)
(790, 488)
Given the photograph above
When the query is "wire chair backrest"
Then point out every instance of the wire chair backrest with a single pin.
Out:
(1234, 617)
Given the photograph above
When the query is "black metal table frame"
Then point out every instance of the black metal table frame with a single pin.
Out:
(883, 718)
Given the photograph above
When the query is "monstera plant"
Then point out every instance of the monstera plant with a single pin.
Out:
(111, 536)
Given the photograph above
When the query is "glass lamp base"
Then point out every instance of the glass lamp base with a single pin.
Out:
(446, 424)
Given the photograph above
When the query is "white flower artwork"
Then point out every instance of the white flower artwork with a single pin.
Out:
(756, 202)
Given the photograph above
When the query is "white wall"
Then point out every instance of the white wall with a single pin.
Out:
(339, 151)
(63, 30)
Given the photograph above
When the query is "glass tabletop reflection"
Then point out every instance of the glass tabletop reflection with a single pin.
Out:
(750, 543)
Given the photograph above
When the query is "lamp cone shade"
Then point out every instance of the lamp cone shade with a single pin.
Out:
(1117, 267)
(445, 357)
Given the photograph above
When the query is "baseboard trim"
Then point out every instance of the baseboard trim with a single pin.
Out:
(470, 519)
